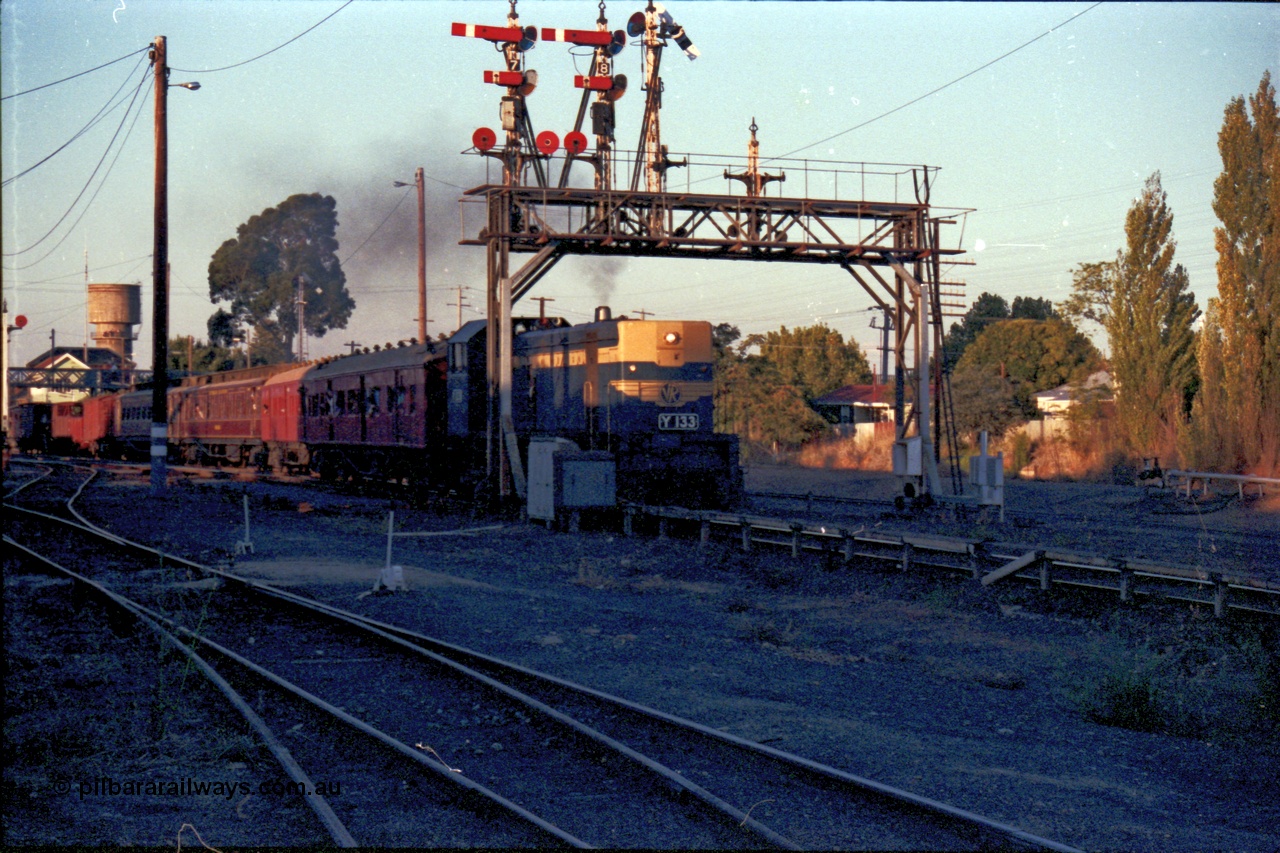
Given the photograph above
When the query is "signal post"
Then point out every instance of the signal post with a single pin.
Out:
(891, 249)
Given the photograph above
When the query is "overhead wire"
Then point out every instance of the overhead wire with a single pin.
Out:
(74, 76)
(144, 83)
(932, 92)
(403, 196)
(269, 52)
(78, 272)
(109, 107)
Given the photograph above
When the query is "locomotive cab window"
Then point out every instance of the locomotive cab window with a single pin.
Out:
(458, 357)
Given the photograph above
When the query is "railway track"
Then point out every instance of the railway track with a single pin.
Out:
(593, 768)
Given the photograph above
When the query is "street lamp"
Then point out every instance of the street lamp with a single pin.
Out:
(422, 251)
(160, 271)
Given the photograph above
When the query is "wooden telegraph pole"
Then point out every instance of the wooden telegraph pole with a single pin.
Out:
(422, 256)
(159, 278)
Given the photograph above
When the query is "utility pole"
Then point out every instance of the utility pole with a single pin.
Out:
(419, 182)
(542, 305)
(302, 318)
(160, 272)
(159, 277)
(354, 346)
(418, 179)
(644, 315)
(461, 303)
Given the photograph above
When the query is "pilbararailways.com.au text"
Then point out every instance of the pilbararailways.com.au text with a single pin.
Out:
(106, 786)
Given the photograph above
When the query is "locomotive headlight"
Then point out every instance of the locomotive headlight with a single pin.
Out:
(631, 367)
(672, 338)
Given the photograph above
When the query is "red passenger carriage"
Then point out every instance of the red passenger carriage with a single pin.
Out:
(375, 414)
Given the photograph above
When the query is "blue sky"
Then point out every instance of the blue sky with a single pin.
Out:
(1049, 146)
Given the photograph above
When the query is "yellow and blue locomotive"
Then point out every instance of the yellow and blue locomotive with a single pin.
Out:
(641, 390)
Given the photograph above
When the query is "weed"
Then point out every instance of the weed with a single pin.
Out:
(1128, 699)
(941, 599)
(768, 631)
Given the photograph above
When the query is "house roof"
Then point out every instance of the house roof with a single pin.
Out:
(858, 395)
(99, 357)
(1099, 380)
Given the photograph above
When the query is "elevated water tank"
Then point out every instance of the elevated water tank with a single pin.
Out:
(115, 309)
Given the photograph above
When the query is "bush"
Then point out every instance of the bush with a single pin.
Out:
(1127, 699)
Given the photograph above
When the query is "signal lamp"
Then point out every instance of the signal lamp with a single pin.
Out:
(575, 141)
(529, 38)
(635, 24)
(617, 43)
(548, 142)
(484, 138)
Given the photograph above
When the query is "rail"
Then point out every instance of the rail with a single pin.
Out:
(979, 559)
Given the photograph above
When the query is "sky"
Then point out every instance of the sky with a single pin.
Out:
(1041, 150)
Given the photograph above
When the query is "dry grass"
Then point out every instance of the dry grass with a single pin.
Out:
(844, 454)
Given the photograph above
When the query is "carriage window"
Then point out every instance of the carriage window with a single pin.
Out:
(413, 398)
(458, 357)
(375, 401)
(340, 407)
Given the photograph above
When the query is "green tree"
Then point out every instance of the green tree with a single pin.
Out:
(1032, 308)
(983, 399)
(814, 359)
(1246, 199)
(1203, 443)
(1033, 355)
(196, 356)
(1149, 326)
(755, 402)
(985, 310)
(259, 273)
(1092, 286)
(762, 401)
(1143, 302)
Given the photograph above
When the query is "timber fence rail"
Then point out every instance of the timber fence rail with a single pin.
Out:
(1185, 479)
(981, 560)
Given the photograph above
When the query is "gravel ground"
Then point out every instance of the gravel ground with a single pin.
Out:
(1149, 728)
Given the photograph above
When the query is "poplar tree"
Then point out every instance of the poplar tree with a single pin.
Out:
(1148, 320)
(1246, 199)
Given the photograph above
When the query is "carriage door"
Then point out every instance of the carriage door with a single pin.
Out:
(364, 422)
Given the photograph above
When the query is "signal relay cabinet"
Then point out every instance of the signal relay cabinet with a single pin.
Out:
(563, 477)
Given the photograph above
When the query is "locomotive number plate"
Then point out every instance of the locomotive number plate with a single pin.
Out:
(678, 421)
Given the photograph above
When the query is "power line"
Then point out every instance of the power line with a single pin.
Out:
(74, 76)
(143, 83)
(379, 228)
(940, 88)
(269, 52)
(77, 273)
(106, 109)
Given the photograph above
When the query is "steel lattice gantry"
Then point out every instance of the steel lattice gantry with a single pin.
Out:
(77, 379)
(891, 249)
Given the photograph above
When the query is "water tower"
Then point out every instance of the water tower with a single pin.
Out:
(115, 309)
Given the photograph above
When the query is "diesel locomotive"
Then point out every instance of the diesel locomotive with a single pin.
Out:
(640, 390)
